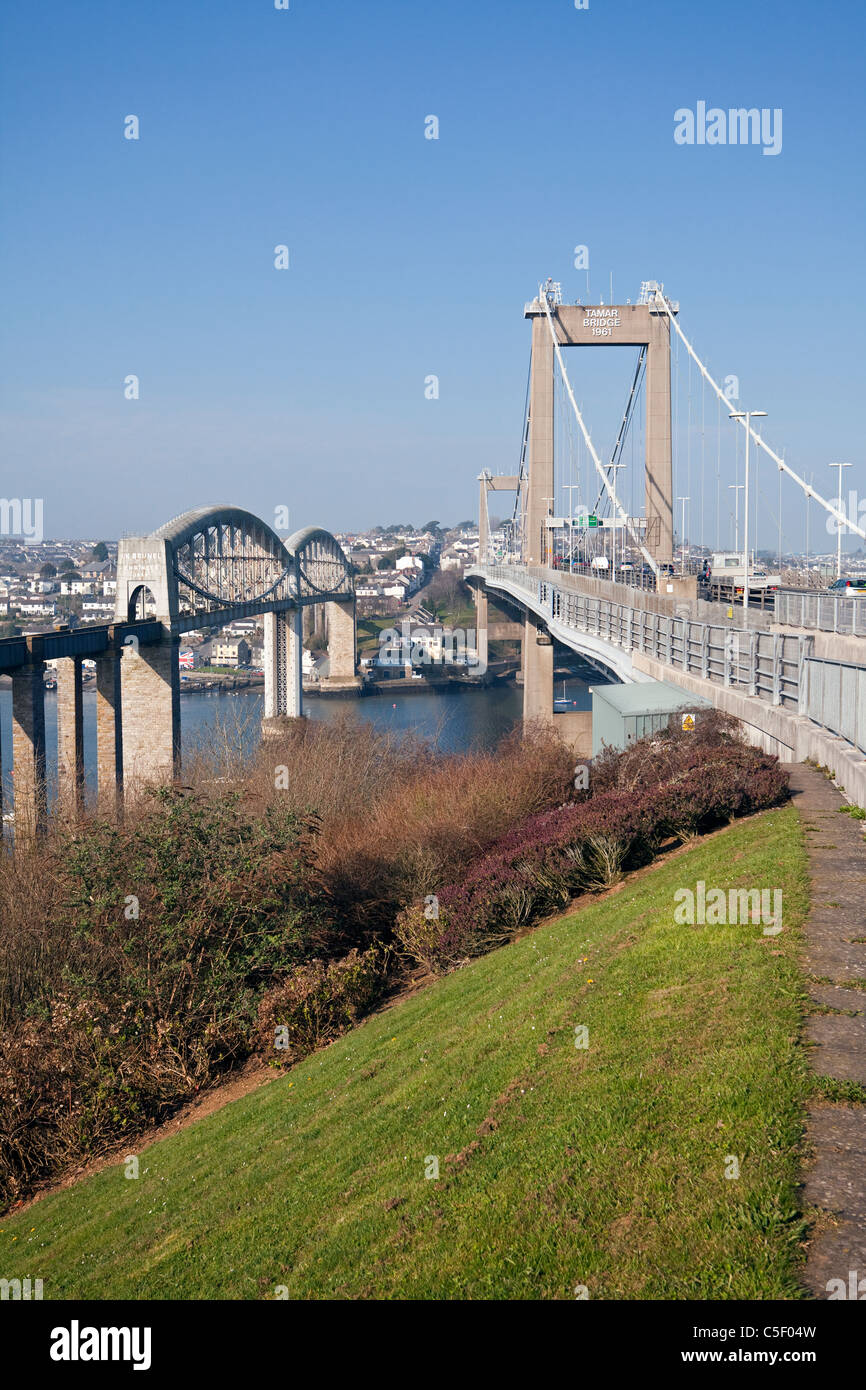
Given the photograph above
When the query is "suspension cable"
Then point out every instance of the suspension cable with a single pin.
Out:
(625, 423)
(662, 303)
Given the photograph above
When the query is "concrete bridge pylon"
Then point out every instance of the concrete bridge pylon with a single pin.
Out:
(619, 325)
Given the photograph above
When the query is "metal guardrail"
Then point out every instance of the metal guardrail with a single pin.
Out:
(835, 697)
(768, 665)
(773, 666)
(821, 611)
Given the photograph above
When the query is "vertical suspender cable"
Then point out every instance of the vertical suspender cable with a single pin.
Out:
(662, 303)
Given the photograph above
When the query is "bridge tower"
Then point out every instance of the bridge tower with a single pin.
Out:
(622, 325)
(149, 675)
(202, 570)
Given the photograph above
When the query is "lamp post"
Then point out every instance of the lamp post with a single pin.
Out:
(614, 467)
(684, 500)
(748, 416)
(548, 546)
(736, 488)
(570, 488)
(840, 466)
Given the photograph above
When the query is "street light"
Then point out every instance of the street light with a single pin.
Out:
(548, 548)
(748, 416)
(737, 489)
(613, 468)
(840, 466)
(684, 500)
(570, 488)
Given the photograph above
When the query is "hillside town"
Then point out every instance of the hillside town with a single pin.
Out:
(71, 583)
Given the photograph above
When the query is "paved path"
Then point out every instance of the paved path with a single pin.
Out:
(835, 958)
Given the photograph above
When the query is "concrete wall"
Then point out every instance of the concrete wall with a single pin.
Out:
(575, 728)
(790, 736)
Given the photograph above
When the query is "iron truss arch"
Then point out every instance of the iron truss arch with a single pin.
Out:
(323, 570)
(224, 557)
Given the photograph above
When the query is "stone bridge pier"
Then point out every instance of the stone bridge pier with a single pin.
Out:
(284, 650)
(70, 736)
(150, 699)
(28, 746)
(342, 645)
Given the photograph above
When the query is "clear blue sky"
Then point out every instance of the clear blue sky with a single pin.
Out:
(409, 257)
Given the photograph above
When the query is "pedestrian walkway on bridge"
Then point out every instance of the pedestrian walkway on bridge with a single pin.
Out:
(835, 961)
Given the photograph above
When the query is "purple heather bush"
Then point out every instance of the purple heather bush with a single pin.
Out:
(664, 789)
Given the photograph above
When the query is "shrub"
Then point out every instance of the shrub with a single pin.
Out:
(319, 1001)
(155, 941)
(686, 787)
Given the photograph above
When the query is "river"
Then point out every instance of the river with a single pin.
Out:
(454, 720)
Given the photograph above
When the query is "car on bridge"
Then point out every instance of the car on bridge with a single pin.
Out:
(852, 587)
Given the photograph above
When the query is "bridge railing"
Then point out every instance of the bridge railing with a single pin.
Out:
(836, 698)
(769, 665)
(821, 611)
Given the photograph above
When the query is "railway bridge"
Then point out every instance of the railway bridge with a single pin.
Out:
(201, 570)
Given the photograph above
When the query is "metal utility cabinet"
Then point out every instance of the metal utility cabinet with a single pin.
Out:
(623, 713)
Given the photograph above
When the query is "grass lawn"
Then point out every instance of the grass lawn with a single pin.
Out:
(559, 1166)
(369, 631)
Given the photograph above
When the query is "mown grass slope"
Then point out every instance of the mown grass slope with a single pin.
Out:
(559, 1166)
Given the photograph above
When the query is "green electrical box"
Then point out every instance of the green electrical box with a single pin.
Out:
(621, 714)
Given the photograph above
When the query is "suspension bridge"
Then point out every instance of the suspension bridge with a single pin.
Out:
(602, 581)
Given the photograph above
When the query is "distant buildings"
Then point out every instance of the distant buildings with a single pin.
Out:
(232, 654)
